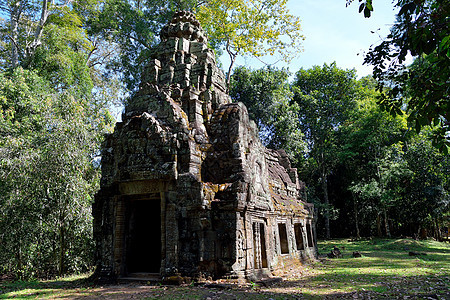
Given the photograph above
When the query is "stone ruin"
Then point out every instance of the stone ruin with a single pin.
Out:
(187, 188)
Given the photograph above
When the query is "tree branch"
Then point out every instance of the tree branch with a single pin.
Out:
(232, 61)
(31, 48)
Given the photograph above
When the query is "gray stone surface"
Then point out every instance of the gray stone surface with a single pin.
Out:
(219, 195)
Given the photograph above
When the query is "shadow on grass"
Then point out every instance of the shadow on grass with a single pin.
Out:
(385, 245)
(388, 261)
(34, 288)
(374, 286)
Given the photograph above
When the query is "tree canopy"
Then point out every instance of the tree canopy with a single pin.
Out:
(54, 110)
(421, 30)
(324, 95)
(267, 95)
(253, 28)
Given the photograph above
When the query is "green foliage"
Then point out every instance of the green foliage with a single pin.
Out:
(129, 31)
(53, 113)
(428, 195)
(366, 7)
(389, 169)
(325, 96)
(62, 59)
(422, 30)
(253, 28)
(371, 149)
(267, 95)
(48, 176)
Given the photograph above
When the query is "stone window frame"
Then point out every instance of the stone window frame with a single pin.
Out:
(262, 261)
(284, 223)
(302, 235)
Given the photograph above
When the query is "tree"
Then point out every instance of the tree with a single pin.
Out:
(241, 27)
(366, 139)
(398, 182)
(53, 113)
(253, 28)
(47, 148)
(325, 95)
(266, 93)
(427, 198)
(422, 30)
(62, 52)
(130, 30)
(23, 30)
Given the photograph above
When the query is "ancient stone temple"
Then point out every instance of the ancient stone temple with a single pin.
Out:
(187, 188)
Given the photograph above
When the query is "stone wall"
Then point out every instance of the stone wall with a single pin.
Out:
(220, 196)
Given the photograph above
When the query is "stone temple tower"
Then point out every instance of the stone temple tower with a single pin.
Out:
(187, 188)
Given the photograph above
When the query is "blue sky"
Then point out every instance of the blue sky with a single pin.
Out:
(333, 33)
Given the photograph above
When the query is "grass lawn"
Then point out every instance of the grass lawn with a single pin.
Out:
(385, 271)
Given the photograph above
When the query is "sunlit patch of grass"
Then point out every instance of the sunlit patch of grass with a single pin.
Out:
(385, 268)
(73, 284)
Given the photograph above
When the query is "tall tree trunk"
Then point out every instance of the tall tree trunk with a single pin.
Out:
(16, 11)
(438, 231)
(386, 223)
(355, 210)
(61, 250)
(31, 47)
(326, 201)
(379, 234)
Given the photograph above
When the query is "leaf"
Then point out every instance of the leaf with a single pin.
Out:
(366, 12)
(436, 121)
(418, 127)
(445, 43)
(403, 10)
(361, 7)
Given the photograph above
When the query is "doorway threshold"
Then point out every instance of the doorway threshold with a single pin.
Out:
(141, 277)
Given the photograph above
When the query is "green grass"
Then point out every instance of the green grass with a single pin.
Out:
(385, 271)
(48, 289)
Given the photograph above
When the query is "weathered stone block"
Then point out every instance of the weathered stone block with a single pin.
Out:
(197, 48)
(184, 44)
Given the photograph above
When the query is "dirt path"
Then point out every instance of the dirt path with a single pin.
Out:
(287, 289)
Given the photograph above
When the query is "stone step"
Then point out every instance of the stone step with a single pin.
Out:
(141, 276)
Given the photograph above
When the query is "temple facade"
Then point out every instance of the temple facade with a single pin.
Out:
(187, 188)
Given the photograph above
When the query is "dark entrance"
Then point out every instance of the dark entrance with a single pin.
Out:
(262, 236)
(283, 238)
(143, 251)
(309, 235)
(299, 236)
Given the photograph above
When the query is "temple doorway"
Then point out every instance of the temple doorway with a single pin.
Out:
(143, 237)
